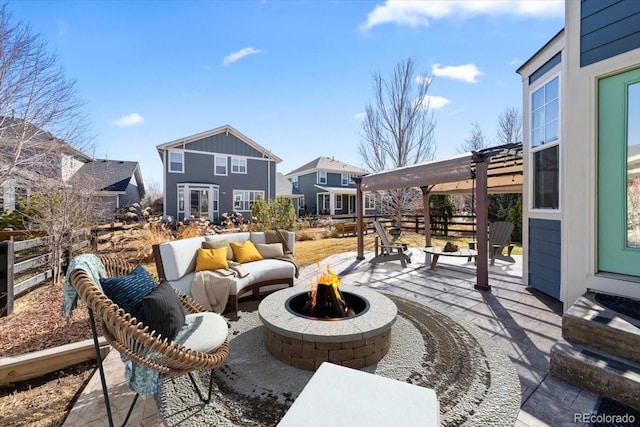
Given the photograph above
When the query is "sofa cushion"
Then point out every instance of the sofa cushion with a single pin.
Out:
(270, 250)
(211, 259)
(245, 252)
(179, 257)
(259, 237)
(163, 311)
(128, 291)
(219, 244)
(260, 271)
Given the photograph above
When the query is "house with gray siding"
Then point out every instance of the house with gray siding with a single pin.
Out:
(215, 172)
(327, 188)
(581, 104)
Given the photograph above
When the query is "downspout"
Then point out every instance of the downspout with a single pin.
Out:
(164, 184)
(359, 217)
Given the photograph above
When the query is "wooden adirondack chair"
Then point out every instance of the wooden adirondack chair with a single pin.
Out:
(389, 251)
(499, 238)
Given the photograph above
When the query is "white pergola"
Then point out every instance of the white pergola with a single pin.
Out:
(491, 170)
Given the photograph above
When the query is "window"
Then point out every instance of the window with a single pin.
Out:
(220, 167)
(346, 179)
(322, 177)
(243, 200)
(181, 202)
(238, 165)
(294, 181)
(369, 201)
(198, 201)
(301, 202)
(176, 161)
(339, 201)
(545, 140)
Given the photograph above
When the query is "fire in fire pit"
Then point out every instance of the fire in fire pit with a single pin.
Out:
(325, 301)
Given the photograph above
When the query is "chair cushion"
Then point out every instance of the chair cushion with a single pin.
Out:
(270, 250)
(207, 331)
(219, 244)
(245, 252)
(127, 291)
(211, 259)
(163, 311)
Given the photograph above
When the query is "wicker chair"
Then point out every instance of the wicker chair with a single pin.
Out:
(134, 340)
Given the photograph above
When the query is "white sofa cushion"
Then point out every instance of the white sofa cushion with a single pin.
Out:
(179, 257)
(258, 237)
(259, 271)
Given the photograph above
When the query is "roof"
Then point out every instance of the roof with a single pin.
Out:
(226, 128)
(329, 164)
(285, 188)
(456, 174)
(542, 49)
(336, 190)
(109, 175)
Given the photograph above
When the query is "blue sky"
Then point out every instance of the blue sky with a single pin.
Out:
(293, 76)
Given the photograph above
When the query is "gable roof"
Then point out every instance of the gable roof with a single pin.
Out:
(329, 164)
(226, 128)
(110, 175)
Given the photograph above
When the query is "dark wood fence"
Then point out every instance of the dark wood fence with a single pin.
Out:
(456, 225)
(25, 259)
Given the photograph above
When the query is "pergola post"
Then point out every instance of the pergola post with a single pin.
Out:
(427, 222)
(482, 269)
(359, 217)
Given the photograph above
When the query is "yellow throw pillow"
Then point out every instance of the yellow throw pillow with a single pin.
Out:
(211, 259)
(219, 244)
(245, 252)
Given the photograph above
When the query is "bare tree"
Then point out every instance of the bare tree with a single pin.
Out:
(398, 130)
(476, 141)
(37, 102)
(509, 127)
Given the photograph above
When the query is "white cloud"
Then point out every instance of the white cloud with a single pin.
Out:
(433, 102)
(129, 120)
(515, 61)
(467, 73)
(420, 13)
(236, 56)
(360, 116)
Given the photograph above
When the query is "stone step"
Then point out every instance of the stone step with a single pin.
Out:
(597, 371)
(594, 325)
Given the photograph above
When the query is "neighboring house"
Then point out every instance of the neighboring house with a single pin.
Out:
(327, 187)
(215, 172)
(284, 188)
(581, 103)
(117, 184)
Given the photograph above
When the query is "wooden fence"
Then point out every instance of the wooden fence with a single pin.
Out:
(26, 262)
(456, 225)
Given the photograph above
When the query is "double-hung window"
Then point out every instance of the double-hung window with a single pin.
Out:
(345, 179)
(243, 200)
(294, 181)
(545, 145)
(220, 165)
(322, 177)
(238, 165)
(369, 201)
(176, 161)
(339, 202)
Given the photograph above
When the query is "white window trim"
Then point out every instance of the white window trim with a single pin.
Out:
(294, 181)
(174, 151)
(326, 178)
(338, 201)
(239, 159)
(369, 201)
(342, 179)
(533, 88)
(215, 165)
(241, 193)
(214, 196)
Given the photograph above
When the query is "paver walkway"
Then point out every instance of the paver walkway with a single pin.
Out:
(523, 322)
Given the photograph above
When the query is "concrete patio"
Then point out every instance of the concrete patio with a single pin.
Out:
(521, 321)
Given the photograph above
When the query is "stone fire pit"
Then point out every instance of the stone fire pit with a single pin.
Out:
(305, 343)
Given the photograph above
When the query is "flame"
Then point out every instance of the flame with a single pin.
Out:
(326, 278)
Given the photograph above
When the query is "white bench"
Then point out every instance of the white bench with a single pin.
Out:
(340, 396)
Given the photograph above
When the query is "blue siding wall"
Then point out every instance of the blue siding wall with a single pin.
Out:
(544, 256)
(608, 28)
(545, 68)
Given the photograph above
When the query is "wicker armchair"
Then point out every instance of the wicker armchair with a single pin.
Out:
(134, 340)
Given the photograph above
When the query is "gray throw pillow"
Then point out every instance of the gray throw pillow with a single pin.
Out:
(163, 311)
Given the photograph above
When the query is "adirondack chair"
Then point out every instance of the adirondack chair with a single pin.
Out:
(389, 251)
(499, 238)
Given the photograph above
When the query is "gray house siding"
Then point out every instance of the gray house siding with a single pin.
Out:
(544, 256)
(224, 143)
(306, 185)
(132, 195)
(199, 169)
(608, 28)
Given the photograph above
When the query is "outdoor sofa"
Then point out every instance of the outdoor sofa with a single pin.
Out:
(176, 263)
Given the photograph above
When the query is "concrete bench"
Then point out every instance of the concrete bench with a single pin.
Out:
(340, 396)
